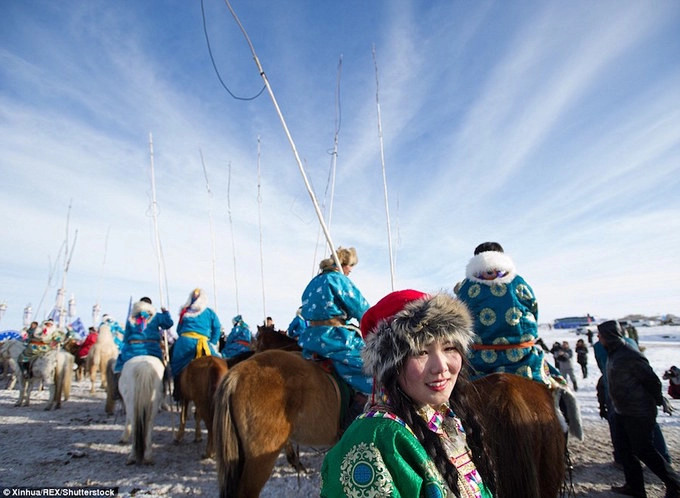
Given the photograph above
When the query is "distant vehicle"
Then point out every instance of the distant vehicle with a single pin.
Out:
(573, 322)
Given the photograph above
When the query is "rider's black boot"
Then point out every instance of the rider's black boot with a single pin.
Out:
(176, 392)
(116, 392)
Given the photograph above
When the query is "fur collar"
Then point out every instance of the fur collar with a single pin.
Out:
(140, 307)
(491, 260)
(194, 307)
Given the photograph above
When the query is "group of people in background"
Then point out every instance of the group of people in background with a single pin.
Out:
(403, 361)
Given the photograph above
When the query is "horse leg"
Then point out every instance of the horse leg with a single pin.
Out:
(182, 420)
(22, 381)
(210, 446)
(198, 437)
(93, 376)
(111, 386)
(102, 371)
(127, 429)
(11, 373)
(293, 457)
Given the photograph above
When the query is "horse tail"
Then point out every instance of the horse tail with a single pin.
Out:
(67, 376)
(570, 418)
(228, 451)
(145, 386)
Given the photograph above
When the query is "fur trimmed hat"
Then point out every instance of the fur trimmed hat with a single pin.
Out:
(404, 322)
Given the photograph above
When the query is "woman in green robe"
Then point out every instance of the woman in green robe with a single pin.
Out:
(411, 441)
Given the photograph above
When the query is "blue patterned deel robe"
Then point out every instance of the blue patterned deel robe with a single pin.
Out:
(333, 295)
(238, 341)
(505, 314)
(296, 326)
(116, 330)
(186, 348)
(143, 333)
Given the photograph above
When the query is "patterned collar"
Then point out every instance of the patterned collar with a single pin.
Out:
(435, 417)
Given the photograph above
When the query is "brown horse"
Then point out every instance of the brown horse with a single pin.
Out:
(198, 382)
(263, 403)
(276, 397)
(523, 435)
(269, 338)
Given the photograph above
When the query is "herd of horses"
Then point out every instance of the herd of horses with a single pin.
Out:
(272, 399)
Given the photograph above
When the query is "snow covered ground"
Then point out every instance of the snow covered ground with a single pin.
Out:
(78, 444)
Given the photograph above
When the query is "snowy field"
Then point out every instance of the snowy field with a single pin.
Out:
(78, 444)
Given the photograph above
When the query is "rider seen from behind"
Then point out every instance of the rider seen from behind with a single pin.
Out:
(198, 333)
(505, 313)
(41, 340)
(143, 334)
(329, 302)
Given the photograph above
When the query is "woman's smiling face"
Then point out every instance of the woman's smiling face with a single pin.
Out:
(429, 376)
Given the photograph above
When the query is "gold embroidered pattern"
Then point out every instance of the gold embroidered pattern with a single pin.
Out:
(487, 316)
(474, 290)
(499, 290)
(363, 473)
(513, 316)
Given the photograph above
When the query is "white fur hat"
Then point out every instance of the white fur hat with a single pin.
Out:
(403, 322)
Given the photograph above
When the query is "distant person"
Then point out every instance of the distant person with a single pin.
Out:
(87, 344)
(116, 330)
(43, 339)
(607, 409)
(554, 350)
(297, 325)
(269, 322)
(239, 340)
(582, 357)
(28, 333)
(564, 363)
(672, 375)
(632, 332)
(589, 335)
(198, 331)
(635, 392)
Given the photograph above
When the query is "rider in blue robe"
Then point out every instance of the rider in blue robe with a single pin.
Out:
(329, 302)
(239, 339)
(116, 330)
(505, 312)
(297, 325)
(198, 333)
(143, 332)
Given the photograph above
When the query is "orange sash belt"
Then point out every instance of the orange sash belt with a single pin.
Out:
(503, 347)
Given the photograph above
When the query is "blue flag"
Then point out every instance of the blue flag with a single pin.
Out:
(78, 330)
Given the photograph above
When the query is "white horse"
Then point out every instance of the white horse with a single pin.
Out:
(99, 355)
(141, 387)
(55, 369)
(9, 352)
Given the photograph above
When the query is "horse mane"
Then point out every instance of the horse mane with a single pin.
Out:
(270, 338)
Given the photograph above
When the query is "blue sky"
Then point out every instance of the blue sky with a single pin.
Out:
(550, 127)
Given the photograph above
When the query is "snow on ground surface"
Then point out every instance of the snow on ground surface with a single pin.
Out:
(77, 445)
